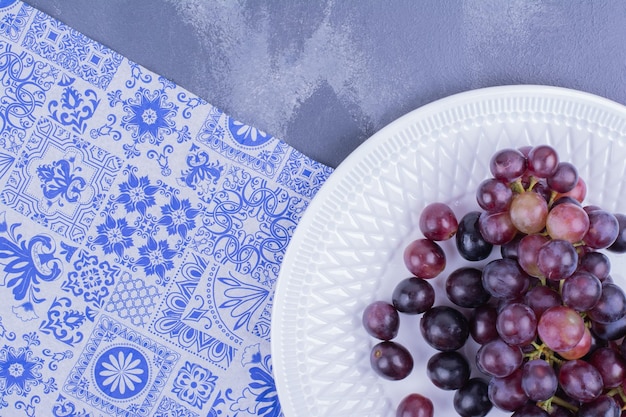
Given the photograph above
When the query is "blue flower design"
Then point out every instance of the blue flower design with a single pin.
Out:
(19, 370)
(194, 384)
(149, 115)
(137, 194)
(260, 397)
(247, 135)
(114, 235)
(178, 217)
(156, 258)
(121, 372)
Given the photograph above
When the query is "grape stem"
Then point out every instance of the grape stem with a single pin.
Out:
(517, 187)
(620, 392)
(547, 404)
(543, 352)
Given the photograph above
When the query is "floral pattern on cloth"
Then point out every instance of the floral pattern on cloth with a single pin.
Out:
(141, 235)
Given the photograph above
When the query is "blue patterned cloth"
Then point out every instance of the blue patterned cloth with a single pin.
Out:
(141, 235)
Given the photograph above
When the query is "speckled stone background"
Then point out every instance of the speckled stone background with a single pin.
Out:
(325, 75)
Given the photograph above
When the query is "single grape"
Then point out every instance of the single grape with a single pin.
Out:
(448, 370)
(381, 320)
(581, 291)
(543, 161)
(517, 324)
(564, 179)
(603, 229)
(568, 222)
(391, 360)
(578, 193)
(444, 328)
(560, 328)
(464, 287)
(494, 195)
(530, 410)
(413, 296)
(581, 349)
(596, 263)
(507, 393)
(482, 324)
(603, 406)
(503, 278)
(611, 365)
(497, 228)
(580, 380)
(611, 306)
(415, 405)
(438, 222)
(507, 164)
(539, 380)
(614, 330)
(527, 251)
(424, 258)
(472, 399)
(557, 259)
(498, 358)
(469, 242)
(510, 249)
(528, 212)
(541, 297)
(619, 245)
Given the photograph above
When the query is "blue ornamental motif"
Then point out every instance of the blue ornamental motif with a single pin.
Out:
(247, 135)
(194, 384)
(26, 264)
(149, 116)
(60, 180)
(74, 108)
(121, 372)
(137, 194)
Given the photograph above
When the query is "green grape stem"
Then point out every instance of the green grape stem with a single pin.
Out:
(547, 404)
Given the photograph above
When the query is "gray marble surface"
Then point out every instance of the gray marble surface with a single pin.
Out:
(325, 75)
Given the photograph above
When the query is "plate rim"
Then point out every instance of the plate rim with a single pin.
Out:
(520, 90)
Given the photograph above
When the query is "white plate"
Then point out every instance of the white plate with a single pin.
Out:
(347, 249)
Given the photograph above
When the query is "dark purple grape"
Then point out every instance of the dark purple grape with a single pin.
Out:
(510, 249)
(557, 259)
(611, 365)
(444, 328)
(482, 324)
(580, 380)
(530, 410)
(469, 242)
(381, 320)
(542, 161)
(541, 297)
(499, 359)
(472, 400)
(603, 406)
(581, 291)
(424, 258)
(415, 405)
(539, 380)
(494, 195)
(507, 393)
(391, 360)
(507, 164)
(503, 278)
(611, 306)
(438, 222)
(448, 370)
(619, 245)
(596, 263)
(614, 330)
(517, 324)
(564, 178)
(603, 229)
(464, 287)
(413, 296)
(497, 228)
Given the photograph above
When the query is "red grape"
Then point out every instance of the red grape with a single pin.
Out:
(381, 320)
(424, 258)
(415, 405)
(438, 222)
(560, 328)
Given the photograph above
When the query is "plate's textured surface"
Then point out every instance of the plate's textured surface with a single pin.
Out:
(347, 249)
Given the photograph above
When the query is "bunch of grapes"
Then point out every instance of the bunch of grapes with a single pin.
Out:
(547, 317)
